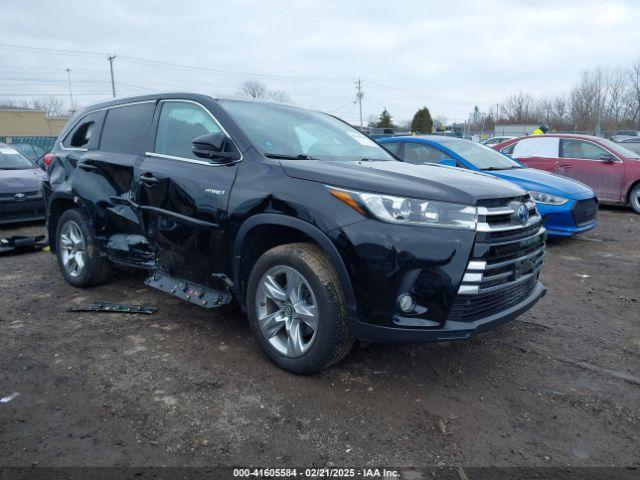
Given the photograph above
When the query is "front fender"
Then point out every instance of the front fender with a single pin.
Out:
(308, 229)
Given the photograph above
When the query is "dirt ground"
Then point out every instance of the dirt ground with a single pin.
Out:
(558, 386)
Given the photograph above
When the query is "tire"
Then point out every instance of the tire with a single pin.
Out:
(75, 240)
(634, 198)
(313, 297)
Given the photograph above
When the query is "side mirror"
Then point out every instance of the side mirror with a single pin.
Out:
(449, 162)
(212, 146)
(606, 158)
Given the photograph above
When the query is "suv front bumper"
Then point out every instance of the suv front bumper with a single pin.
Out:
(461, 281)
(450, 330)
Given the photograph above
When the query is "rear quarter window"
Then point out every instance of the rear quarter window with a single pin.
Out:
(508, 150)
(126, 129)
(84, 133)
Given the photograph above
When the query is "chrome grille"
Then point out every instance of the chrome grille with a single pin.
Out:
(506, 253)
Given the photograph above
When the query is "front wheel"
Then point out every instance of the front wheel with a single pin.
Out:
(296, 308)
(634, 198)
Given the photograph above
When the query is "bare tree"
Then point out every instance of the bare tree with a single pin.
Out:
(258, 90)
(279, 96)
(10, 102)
(520, 107)
(587, 100)
(546, 110)
(617, 98)
(52, 106)
(560, 107)
(634, 87)
(253, 89)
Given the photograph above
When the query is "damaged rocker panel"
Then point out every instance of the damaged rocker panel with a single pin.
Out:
(197, 294)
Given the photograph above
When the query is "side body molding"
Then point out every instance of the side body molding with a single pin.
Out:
(308, 229)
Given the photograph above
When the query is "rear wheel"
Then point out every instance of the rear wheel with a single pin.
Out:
(78, 256)
(296, 308)
(634, 198)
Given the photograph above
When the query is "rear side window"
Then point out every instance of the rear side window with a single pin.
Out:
(570, 148)
(543, 147)
(420, 153)
(180, 123)
(126, 128)
(83, 132)
(393, 147)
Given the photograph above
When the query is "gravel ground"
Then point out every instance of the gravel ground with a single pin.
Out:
(558, 386)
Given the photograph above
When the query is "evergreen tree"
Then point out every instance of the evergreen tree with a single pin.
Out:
(422, 122)
(385, 120)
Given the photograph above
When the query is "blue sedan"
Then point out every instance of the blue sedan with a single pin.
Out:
(567, 206)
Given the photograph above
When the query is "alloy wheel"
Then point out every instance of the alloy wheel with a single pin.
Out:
(72, 248)
(287, 311)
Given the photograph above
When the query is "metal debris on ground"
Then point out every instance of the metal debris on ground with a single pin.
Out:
(8, 398)
(22, 244)
(115, 308)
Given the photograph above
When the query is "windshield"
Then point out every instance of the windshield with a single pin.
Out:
(481, 156)
(282, 131)
(619, 149)
(10, 159)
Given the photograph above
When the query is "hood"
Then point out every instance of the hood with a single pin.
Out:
(431, 182)
(20, 181)
(541, 181)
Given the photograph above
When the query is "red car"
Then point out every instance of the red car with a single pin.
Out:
(611, 170)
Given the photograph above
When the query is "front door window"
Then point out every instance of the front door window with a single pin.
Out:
(180, 123)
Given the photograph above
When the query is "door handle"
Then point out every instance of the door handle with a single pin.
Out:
(87, 167)
(148, 179)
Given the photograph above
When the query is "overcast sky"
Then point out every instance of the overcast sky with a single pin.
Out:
(448, 56)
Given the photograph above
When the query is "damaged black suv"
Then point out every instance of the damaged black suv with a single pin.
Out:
(321, 235)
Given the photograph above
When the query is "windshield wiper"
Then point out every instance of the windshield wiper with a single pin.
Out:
(300, 156)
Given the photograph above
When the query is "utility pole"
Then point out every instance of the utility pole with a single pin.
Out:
(68, 70)
(359, 96)
(113, 82)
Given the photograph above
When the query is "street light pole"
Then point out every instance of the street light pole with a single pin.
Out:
(68, 70)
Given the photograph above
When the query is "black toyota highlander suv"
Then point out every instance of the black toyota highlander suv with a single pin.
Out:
(321, 235)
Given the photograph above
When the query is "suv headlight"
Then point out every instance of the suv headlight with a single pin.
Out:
(547, 198)
(409, 211)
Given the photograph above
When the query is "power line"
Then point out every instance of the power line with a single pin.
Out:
(171, 65)
(55, 94)
(379, 86)
(58, 51)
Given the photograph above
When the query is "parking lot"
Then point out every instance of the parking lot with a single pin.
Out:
(186, 386)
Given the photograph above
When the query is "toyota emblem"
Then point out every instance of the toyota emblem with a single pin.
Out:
(19, 197)
(523, 214)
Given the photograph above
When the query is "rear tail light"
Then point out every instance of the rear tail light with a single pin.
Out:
(48, 158)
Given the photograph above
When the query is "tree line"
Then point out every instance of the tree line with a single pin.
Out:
(52, 106)
(421, 122)
(602, 99)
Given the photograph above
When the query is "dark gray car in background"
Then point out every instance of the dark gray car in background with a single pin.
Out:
(20, 188)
